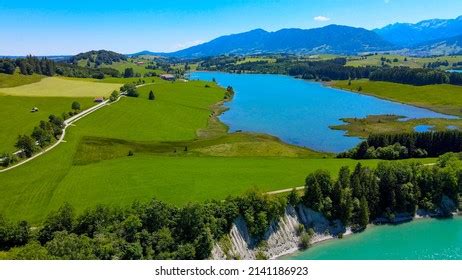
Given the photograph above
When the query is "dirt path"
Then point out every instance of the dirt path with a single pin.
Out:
(68, 123)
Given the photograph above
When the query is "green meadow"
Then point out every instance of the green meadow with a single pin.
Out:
(17, 79)
(93, 165)
(439, 98)
(51, 95)
(16, 117)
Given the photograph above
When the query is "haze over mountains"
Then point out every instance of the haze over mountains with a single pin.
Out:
(329, 39)
(428, 37)
(407, 34)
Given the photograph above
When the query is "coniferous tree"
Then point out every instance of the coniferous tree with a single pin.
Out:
(151, 95)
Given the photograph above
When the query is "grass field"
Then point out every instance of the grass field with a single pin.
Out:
(51, 95)
(16, 79)
(16, 118)
(439, 98)
(59, 87)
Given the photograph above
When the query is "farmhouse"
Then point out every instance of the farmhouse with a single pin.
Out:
(98, 99)
(168, 77)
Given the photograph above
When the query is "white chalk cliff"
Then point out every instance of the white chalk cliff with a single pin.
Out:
(281, 238)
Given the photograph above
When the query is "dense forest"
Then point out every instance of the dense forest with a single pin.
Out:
(152, 230)
(156, 230)
(407, 145)
(327, 70)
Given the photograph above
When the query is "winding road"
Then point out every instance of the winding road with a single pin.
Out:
(68, 123)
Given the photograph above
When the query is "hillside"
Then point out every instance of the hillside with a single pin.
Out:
(97, 57)
(447, 46)
(333, 39)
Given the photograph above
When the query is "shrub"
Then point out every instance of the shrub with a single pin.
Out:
(114, 95)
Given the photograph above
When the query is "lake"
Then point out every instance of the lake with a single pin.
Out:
(425, 239)
(423, 128)
(300, 112)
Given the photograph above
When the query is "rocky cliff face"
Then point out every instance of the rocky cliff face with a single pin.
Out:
(281, 238)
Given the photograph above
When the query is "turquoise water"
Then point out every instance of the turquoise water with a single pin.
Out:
(423, 128)
(298, 111)
(428, 239)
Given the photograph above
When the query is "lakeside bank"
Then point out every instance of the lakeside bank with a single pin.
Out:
(405, 241)
(282, 239)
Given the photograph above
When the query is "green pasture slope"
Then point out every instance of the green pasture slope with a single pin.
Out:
(17, 79)
(16, 117)
(34, 189)
(439, 98)
(51, 95)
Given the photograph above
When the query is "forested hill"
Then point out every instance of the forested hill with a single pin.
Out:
(334, 39)
(99, 57)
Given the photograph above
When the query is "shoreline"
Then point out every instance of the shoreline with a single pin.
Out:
(220, 107)
(330, 85)
(327, 238)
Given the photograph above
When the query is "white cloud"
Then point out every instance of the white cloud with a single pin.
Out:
(321, 18)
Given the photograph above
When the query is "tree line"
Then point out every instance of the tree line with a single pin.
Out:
(28, 66)
(407, 145)
(43, 66)
(418, 77)
(156, 230)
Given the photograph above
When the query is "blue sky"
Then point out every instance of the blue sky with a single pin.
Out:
(68, 27)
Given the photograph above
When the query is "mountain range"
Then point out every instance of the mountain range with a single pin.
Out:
(408, 35)
(428, 37)
(328, 39)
